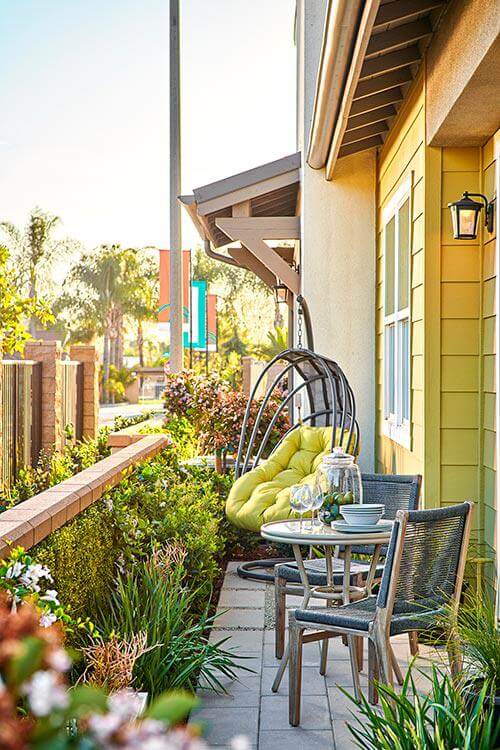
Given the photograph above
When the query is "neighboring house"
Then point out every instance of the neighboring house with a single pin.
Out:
(398, 115)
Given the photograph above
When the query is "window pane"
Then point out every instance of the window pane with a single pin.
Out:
(389, 266)
(404, 348)
(390, 351)
(404, 255)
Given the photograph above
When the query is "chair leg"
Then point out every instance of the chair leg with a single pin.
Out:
(383, 648)
(396, 667)
(413, 638)
(359, 653)
(354, 666)
(294, 671)
(280, 616)
(372, 673)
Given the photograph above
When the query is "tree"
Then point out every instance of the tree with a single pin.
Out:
(142, 305)
(96, 296)
(34, 251)
(15, 309)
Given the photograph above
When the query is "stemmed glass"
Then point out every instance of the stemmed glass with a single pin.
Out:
(300, 500)
(317, 499)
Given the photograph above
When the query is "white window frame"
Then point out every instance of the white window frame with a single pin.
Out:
(397, 428)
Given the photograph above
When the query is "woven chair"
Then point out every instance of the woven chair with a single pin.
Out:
(396, 492)
(423, 572)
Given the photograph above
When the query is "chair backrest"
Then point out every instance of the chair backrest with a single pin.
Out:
(395, 491)
(425, 559)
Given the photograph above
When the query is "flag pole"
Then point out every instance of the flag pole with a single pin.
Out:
(176, 348)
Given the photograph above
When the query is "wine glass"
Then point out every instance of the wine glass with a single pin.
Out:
(317, 499)
(300, 498)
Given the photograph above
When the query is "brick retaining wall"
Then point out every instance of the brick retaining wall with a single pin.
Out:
(31, 521)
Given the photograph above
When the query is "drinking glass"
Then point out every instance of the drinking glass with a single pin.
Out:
(300, 499)
(317, 499)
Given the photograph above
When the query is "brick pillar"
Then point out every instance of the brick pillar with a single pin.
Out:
(86, 353)
(49, 354)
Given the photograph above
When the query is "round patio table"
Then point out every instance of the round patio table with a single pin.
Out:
(300, 534)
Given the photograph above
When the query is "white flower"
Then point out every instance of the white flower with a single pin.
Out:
(50, 596)
(59, 660)
(45, 693)
(14, 571)
(47, 619)
(240, 742)
(126, 704)
(33, 574)
(103, 726)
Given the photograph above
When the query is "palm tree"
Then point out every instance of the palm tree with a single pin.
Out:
(96, 295)
(143, 303)
(34, 252)
(277, 341)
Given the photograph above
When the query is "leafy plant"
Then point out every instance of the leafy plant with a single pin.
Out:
(277, 341)
(111, 662)
(443, 719)
(121, 422)
(154, 598)
(475, 632)
(37, 706)
(16, 309)
(54, 467)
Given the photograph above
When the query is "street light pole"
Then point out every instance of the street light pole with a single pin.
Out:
(176, 347)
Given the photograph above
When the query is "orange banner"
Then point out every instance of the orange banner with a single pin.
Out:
(164, 307)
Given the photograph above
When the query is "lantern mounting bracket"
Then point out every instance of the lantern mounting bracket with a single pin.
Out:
(489, 209)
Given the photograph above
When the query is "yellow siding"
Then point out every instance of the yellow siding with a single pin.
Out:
(404, 155)
(460, 282)
(487, 365)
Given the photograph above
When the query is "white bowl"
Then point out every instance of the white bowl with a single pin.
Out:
(359, 513)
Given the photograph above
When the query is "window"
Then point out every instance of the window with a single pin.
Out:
(397, 320)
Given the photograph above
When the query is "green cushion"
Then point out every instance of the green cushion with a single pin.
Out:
(262, 494)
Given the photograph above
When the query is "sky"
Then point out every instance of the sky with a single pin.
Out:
(84, 105)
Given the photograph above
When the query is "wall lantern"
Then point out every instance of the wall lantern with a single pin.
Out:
(281, 293)
(465, 215)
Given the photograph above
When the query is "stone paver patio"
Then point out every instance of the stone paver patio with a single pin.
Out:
(250, 708)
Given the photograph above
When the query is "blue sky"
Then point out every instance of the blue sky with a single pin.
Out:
(84, 103)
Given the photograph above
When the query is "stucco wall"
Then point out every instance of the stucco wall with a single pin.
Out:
(338, 277)
(463, 75)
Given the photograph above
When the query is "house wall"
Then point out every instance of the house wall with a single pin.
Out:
(403, 154)
(337, 243)
(338, 271)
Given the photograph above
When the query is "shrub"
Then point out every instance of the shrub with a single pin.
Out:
(154, 599)
(121, 422)
(81, 557)
(216, 411)
(53, 467)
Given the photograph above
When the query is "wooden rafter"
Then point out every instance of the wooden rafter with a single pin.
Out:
(400, 36)
(401, 58)
(374, 115)
(253, 231)
(382, 83)
(404, 10)
(358, 134)
(246, 259)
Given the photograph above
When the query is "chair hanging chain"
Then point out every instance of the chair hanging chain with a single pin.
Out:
(299, 326)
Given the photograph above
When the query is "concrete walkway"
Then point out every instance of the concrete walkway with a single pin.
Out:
(250, 708)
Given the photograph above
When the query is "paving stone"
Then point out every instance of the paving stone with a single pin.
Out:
(240, 618)
(236, 598)
(233, 581)
(221, 724)
(339, 673)
(310, 656)
(315, 712)
(239, 641)
(296, 737)
(242, 692)
(269, 635)
(312, 682)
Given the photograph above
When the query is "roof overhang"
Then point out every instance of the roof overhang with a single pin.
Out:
(370, 55)
(251, 207)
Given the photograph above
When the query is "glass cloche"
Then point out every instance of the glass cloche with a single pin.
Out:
(338, 482)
